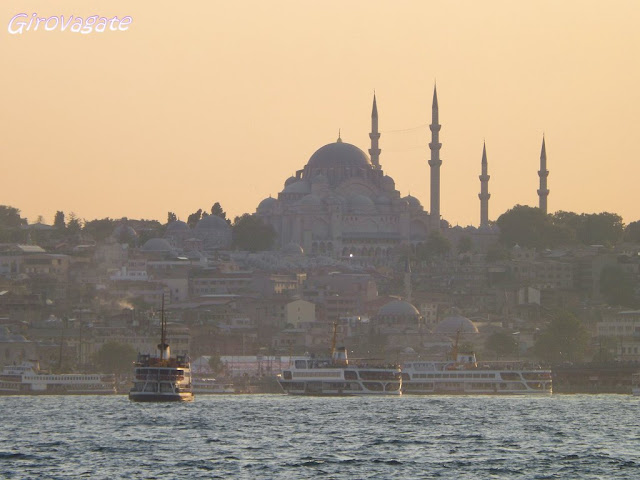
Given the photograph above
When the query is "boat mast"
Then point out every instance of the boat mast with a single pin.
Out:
(333, 339)
(163, 343)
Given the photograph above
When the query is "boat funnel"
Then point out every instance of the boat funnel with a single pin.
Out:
(340, 356)
(165, 351)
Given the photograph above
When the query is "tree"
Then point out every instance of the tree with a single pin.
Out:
(217, 210)
(617, 286)
(100, 229)
(194, 218)
(601, 229)
(171, 217)
(75, 225)
(564, 340)
(524, 226)
(436, 245)
(632, 232)
(115, 357)
(10, 217)
(502, 344)
(58, 221)
(252, 234)
(497, 253)
(465, 244)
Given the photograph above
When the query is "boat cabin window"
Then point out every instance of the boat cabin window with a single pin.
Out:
(301, 364)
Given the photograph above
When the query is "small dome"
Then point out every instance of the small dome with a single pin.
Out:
(290, 180)
(293, 249)
(267, 204)
(310, 200)
(212, 222)
(397, 308)
(339, 154)
(297, 187)
(156, 245)
(413, 201)
(177, 226)
(124, 232)
(388, 183)
(455, 324)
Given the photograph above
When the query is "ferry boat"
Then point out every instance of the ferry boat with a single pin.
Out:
(308, 375)
(635, 384)
(27, 379)
(162, 378)
(210, 386)
(464, 376)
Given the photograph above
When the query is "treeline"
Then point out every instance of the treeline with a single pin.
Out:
(248, 231)
(530, 227)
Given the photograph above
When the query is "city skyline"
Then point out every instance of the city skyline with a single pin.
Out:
(184, 110)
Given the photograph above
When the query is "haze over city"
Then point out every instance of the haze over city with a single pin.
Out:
(221, 102)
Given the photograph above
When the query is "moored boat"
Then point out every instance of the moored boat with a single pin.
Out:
(27, 379)
(308, 375)
(210, 386)
(464, 376)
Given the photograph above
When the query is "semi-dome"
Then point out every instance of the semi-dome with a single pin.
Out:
(310, 200)
(359, 201)
(319, 178)
(397, 308)
(290, 180)
(297, 187)
(455, 324)
(383, 200)
(156, 245)
(339, 154)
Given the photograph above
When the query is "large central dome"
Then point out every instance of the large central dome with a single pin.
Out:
(338, 154)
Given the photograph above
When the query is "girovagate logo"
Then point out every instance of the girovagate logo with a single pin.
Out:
(24, 23)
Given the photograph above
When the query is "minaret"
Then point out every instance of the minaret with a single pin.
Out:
(484, 194)
(407, 279)
(374, 151)
(543, 173)
(435, 162)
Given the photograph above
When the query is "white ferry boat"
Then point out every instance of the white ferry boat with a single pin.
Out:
(308, 375)
(26, 379)
(464, 376)
(162, 378)
(210, 386)
(635, 384)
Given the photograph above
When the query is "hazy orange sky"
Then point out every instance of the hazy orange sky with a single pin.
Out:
(207, 101)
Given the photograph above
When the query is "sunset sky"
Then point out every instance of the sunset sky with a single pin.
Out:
(206, 101)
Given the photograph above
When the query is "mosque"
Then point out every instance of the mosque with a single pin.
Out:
(341, 203)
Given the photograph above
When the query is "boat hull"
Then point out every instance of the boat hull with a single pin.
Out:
(160, 397)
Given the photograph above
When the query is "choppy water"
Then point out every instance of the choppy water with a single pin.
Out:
(275, 436)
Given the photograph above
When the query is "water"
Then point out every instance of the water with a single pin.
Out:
(275, 436)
